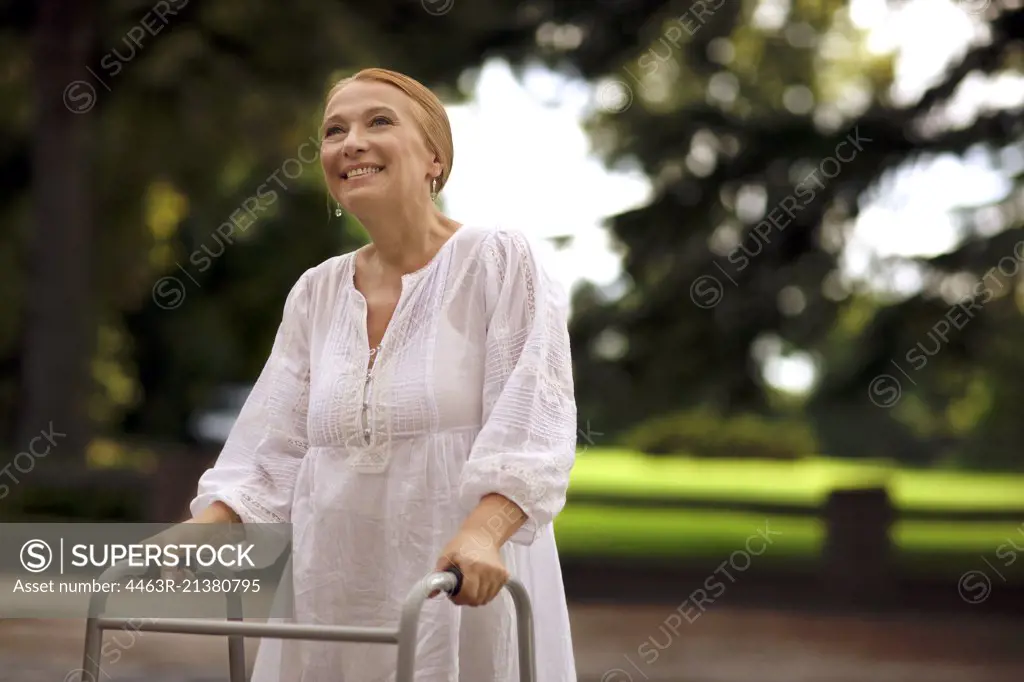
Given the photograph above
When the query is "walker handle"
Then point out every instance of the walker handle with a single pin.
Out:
(457, 572)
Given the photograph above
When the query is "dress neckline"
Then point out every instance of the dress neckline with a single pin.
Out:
(415, 274)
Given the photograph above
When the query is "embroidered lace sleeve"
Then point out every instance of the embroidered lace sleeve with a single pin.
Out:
(256, 470)
(527, 446)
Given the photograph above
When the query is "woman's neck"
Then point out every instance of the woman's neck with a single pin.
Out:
(403, 244)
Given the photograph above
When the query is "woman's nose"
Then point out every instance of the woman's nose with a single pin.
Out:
(355, 142)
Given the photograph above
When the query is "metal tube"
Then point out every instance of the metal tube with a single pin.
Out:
(189, 626)
(236, 643)
(446, 581)
(93, 647)
(98, 604)
(91, 669)
(236, 656)
(409, 623)
(237, 630)
(524, 627)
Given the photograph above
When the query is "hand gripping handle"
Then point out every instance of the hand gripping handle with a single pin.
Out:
(450, 581)
(457, 587)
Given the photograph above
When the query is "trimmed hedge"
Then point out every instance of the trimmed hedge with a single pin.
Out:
(702, 433)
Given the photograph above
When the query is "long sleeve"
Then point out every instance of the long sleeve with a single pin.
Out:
(256, 470)
(527, 444)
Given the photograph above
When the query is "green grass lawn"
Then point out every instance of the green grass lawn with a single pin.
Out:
(626, 473)
(923, 546)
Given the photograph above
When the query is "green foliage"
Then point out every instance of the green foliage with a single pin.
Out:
(56, 504)
(740, 116)
(704, 433)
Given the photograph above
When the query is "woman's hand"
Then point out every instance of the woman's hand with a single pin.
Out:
(483, 571)
(217, 524)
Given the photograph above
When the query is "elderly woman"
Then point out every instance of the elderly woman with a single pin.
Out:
(416, 412)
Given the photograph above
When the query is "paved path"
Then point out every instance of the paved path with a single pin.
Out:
(613, 645)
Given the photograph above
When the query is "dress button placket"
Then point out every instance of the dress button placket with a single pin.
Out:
(374, 352)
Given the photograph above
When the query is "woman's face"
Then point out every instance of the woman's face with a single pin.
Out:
(373, 148)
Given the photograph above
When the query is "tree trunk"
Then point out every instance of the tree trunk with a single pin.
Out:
(59, 323)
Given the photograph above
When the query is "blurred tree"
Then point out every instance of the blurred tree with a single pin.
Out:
(766, 127)
(58, 307)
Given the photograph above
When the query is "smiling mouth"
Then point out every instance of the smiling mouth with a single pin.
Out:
(362, 172)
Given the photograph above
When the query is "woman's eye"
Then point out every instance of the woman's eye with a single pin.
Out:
(384, 119)
(333, 129)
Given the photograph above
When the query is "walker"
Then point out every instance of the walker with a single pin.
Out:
(449, 581)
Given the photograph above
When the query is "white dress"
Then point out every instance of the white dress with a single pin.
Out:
(471, 393)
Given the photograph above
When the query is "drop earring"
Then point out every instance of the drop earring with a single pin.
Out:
(433, 189)
(338, 212)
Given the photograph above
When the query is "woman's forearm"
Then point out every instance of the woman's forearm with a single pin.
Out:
(495, 518)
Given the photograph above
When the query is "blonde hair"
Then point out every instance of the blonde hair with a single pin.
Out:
(430, 113)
